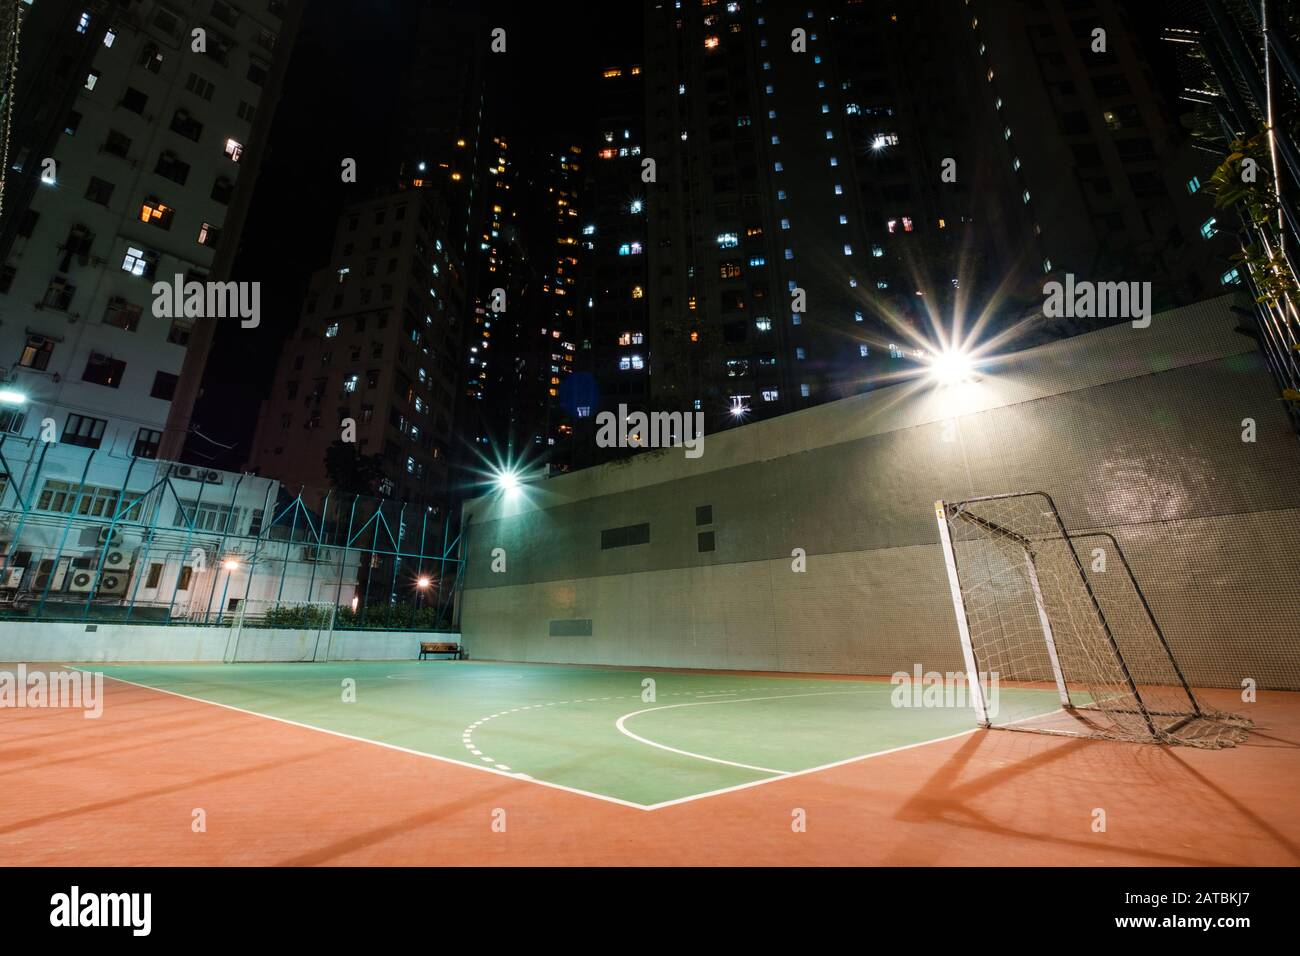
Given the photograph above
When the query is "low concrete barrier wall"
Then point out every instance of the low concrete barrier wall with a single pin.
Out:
(77, 642)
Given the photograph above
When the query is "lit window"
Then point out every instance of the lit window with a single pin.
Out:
(350, 383)
(109, 38)
(758, 261)
(91, 79)
(835, 161)
(839, 190)
(778, 167)
(780, 195)
(1193, 184)
(857, 316)
(848, 249)
(83, 23)
(830, 135)
(800, 354)
(763, 324)
(728, 240)
(157, 214)
(332, 330)
(826, 108)
(711, 43)
(789, 253)
(1210, 228)
(776, 140)
(137, 261)
(1015, 163)
(234, 149)
(1047, 265)
(878, 251)
(1231, 277)
(1006, 133)
(844, 220)
(805, 390)
(638, 292)
(1025, 195)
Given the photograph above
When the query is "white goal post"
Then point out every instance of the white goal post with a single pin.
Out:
(318, 616)
(1028, 611)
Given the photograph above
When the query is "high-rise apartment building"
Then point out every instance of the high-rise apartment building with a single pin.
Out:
(840, 187)
(378, 343)
(137, 131)
(1103, 181)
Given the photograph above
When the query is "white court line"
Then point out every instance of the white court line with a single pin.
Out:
(545, 783)
(377, 743)
(622, 729)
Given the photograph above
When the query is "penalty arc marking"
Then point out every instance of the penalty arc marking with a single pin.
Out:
(621, 725)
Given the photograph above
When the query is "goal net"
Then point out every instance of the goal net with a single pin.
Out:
(1030, 610)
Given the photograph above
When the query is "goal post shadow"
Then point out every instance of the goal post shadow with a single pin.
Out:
(1018, 542)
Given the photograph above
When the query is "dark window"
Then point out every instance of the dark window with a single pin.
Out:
(173, 167)
(74, 120)
(122, 314)
(7, 273)
(200, 87)
(625, 536)
(164, 386)
(59, 294)
(704, 541)
(1110, 86)
(99, 191)
(704, 514)
(222, 190)
(80, 430)
(179, 333)
(134, 100)
(119, 144)
(183, 583)
(186, 125)
(146, 443)
(155, 575)
(103, 370)
(256, 72)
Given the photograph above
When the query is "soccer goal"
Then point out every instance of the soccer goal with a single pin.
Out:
(317, 618)
(1029, 611)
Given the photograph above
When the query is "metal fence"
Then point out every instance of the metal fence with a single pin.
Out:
(86, 536)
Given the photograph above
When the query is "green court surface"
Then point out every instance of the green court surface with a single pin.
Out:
(590, 730)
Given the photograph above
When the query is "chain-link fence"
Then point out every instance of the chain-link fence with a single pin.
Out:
(88, 537)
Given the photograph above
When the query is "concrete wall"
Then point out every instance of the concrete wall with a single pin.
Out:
(76, 642)
(1137, 432)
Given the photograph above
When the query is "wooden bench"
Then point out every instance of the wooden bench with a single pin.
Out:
(439, 647)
